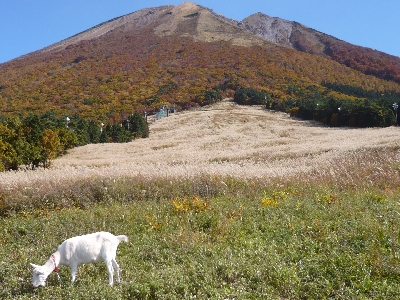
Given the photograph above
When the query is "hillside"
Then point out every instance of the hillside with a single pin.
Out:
(230, 139)
(224, 139)
(183, 56)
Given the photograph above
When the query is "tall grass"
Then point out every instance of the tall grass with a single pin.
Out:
(364, 169)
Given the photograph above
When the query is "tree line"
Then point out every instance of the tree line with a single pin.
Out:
(336, 105)
(35, 140)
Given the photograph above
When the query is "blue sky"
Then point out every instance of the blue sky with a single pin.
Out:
(30, 25)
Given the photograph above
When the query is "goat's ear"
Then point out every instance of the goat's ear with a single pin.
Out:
(34, 266)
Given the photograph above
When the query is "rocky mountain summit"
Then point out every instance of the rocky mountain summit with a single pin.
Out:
(187, 20)
(284, 33)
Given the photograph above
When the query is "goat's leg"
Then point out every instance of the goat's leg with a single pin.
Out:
(116, 267)
(74, 270)
(110, 271)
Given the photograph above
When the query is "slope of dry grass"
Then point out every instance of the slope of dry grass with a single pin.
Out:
(227, 140)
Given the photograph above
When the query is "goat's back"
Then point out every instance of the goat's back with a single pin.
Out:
(89, 248)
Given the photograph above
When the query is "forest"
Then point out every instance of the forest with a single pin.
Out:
(35, 140)
(107, 78)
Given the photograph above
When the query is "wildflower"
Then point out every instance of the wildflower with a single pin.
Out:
(153, 225)
(181, 205)
(269, 202)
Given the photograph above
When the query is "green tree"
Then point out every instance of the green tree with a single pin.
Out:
(94, 132)
(138, 125)
(212, 96)
(104, 138)
(34, 128)
(118, 133)
(80, 127)
(25, 152)
(68, 138)
(249, 96)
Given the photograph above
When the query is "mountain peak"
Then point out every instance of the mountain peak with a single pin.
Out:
(188, 5)
(202, 24)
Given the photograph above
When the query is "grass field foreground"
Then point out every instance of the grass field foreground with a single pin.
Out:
(289, 242)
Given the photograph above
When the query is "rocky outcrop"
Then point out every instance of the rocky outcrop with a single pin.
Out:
(285, 33)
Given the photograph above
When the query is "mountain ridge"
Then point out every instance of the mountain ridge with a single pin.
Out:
(103, 28)
(276, 30)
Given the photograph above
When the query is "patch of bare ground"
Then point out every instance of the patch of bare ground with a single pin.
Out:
(227, 139)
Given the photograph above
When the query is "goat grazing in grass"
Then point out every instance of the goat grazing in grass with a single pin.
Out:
(90, 248)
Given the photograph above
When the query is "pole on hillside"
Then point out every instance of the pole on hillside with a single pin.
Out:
(395, 107)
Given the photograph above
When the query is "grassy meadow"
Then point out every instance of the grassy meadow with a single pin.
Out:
(234, 203)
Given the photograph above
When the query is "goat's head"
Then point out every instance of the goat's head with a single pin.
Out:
(39, 276)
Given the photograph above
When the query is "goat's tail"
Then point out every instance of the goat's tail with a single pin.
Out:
(122, 238)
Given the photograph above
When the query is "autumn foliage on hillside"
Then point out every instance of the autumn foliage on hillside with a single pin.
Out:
(110, 77)
(365, 60)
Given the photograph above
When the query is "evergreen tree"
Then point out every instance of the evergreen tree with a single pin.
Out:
(138, 125)
(94, 132)
(34, 127)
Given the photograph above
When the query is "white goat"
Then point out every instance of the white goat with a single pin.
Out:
(90, 248)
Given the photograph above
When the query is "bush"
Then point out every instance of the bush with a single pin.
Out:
(250, 96)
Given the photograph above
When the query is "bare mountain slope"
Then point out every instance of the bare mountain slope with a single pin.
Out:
(136, 19)
(187, 19)
(190, 19)
(285, 33)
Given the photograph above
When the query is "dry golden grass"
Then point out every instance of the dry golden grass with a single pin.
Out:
(228, 140)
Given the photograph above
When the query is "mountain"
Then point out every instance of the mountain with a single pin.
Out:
(186, 20)
(185, 56)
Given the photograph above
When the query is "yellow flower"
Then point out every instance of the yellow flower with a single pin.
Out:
(268, 202)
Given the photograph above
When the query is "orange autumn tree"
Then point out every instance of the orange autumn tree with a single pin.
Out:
(50, 144)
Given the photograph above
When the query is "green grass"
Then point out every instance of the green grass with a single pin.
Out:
(246, 241)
